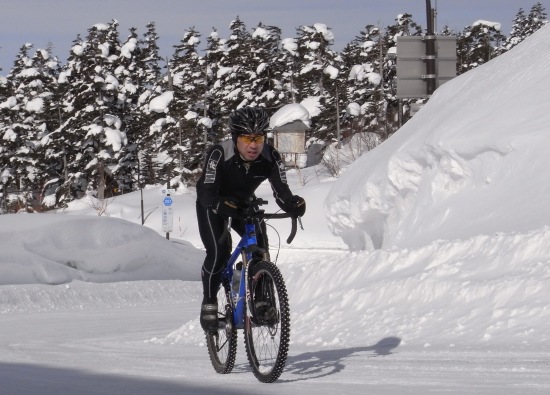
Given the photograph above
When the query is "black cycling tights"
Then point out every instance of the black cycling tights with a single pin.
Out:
(211, 227)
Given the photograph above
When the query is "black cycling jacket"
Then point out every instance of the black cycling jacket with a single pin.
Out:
(225, 175)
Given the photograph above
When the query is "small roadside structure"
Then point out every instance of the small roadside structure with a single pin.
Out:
(289, 125)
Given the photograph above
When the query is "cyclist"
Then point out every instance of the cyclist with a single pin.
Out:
(232, 171)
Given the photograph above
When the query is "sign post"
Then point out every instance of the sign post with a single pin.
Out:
(424, 62)
(167, 212)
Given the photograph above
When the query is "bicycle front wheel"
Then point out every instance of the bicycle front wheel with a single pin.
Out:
(222, 345)
(267, 330)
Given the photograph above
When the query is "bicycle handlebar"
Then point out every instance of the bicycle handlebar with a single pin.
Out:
(294, 221)
(250, 212)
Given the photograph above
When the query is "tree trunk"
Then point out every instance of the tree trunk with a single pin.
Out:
(101, 180)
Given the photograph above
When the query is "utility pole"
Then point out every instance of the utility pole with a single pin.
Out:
(430, 51)
(140, 189)
(205, 100)
(382, 94)
(338, 133)
(65, 164)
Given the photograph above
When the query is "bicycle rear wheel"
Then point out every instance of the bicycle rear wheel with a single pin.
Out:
(267, 331)
(222, 346)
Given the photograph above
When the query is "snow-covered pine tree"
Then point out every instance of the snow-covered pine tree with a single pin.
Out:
(525, 25)
(149, 173)
(215, 48)
(360, 58)
(289, 63)
(536, 19)
(26, 121)
(267, 89)
(316, 76)
(13, 130)
(54, 147)
(188, 75)
(47, 168)
(131, 71)
(94, 112)
(62, 144)
(478, 44)
(235, 73)
(151, 56)
(517, 34)
(10, 110)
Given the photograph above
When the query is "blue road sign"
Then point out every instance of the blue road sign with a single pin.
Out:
(167, 201)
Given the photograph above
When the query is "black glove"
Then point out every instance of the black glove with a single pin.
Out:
(295, 205)
(227, 207)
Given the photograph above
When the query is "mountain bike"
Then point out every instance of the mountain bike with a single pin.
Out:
(252, 297)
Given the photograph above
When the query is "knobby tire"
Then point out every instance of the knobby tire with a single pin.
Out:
(267, 341)
(222, 346)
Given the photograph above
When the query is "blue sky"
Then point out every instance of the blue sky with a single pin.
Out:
(59, 21)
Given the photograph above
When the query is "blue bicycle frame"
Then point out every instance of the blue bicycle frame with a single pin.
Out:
(244, 249)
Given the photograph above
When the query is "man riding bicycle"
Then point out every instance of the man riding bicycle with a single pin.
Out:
(232, 171)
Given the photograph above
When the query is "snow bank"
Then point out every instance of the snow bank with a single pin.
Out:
(457, 167)
(55, 249)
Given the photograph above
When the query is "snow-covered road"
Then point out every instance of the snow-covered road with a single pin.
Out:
(108, 347)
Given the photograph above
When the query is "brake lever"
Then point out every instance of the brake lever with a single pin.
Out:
(300, 222)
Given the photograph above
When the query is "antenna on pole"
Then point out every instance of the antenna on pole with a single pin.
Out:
(434, 11)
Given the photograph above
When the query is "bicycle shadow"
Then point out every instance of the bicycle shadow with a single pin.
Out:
(325, 363)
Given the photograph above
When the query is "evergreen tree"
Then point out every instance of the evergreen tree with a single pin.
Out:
(63, 143)
(517, 34)
(289, 63)
(18, 142)
(94, 114)
(45, 120)
(132, 73)
(8, 109)
(536, 18)
(316, 75)
(149, 172)
(188, 82)
(267, 89)
(151, 56)
(233, 86)
(525, 25)
(215, 48)
(27, 121)
(360, 58)
(478, 44)
(54, 147)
